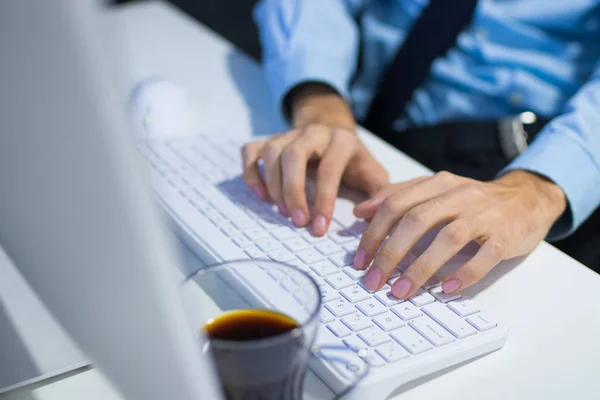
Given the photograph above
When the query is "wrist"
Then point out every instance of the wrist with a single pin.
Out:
(549, 194)
(317, 103)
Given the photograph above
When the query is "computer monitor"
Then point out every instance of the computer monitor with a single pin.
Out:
(75, 216)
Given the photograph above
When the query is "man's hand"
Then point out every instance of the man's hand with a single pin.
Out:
(508, 217)
(324, 134)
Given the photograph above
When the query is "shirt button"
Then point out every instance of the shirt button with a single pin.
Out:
(516, 98)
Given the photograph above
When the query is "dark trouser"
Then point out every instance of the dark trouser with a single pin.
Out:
(479, 156)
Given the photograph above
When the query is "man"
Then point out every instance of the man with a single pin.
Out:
(495, 59)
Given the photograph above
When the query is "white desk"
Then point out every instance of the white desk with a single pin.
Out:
(549, 301)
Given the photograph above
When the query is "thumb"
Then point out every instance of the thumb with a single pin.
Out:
(366, 175)
(368, 208)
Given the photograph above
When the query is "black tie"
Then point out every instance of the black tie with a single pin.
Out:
(434, 33)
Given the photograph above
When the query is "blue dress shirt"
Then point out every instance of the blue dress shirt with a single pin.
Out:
(515, 56)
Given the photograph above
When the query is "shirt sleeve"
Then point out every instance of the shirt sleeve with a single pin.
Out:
(307, 40)
(567, 151)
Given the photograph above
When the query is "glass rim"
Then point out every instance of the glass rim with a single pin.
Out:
(266, 342)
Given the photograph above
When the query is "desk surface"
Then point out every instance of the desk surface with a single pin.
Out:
(548, 300)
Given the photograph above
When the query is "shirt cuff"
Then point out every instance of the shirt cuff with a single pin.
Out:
(559, 157)
(283, 75)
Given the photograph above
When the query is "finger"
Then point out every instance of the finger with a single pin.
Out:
(488, 256)
(447, 243)
(329, 176)
(365, 173)
(252, 178)
(367, 208)
(270, 153)
(294, 158)
(411, 228)
(391, 211)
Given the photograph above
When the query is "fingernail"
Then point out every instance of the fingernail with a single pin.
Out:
(298, 217)
(319, 224)
(451, 285)
(401, 288)
(360, 259)
(283, 208)
(259, 192)
(373, 279)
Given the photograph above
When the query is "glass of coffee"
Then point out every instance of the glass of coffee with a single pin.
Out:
(261, 320)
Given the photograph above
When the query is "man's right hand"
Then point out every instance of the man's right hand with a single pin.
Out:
(325, 134)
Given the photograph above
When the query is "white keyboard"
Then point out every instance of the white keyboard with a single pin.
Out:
(197, 181)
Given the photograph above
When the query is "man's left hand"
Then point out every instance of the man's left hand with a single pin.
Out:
(508, 217)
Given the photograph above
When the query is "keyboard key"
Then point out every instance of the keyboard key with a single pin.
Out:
(351, 246)
(309, 256)
(338, 329)
(269, 222)
(449, 320)
(374, 359)
(277, 274)
(354, 273)
(340, 307)
(323, 267)
(283, 233)
(432, 331)
(383, 288)
(341, 236)
(387, 298)
(371, 307)
(298, 264)
(319, 281)
(218, 219)
(229, 229)
(354, 294)
(463, 307)
(242, 241)
(391, 351)
(256, 233)
(356, 321)
(342, 259)
(422, 298)
(308, 236)
(411, 340)
(406, 311)
(290, 285)
(439, 294)
(301, 296)
(327, 247)
(243, 222)
(268, 244)
(339, 280)
(254, 252)
(481, 322)
(328, 294)
(393, 277)
(374, 336)
(326, 316)
(296, 244)
(281, 255)
(355, 343)
(388, 321)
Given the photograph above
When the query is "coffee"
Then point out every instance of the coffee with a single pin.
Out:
(259, 354)
(245, 325)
